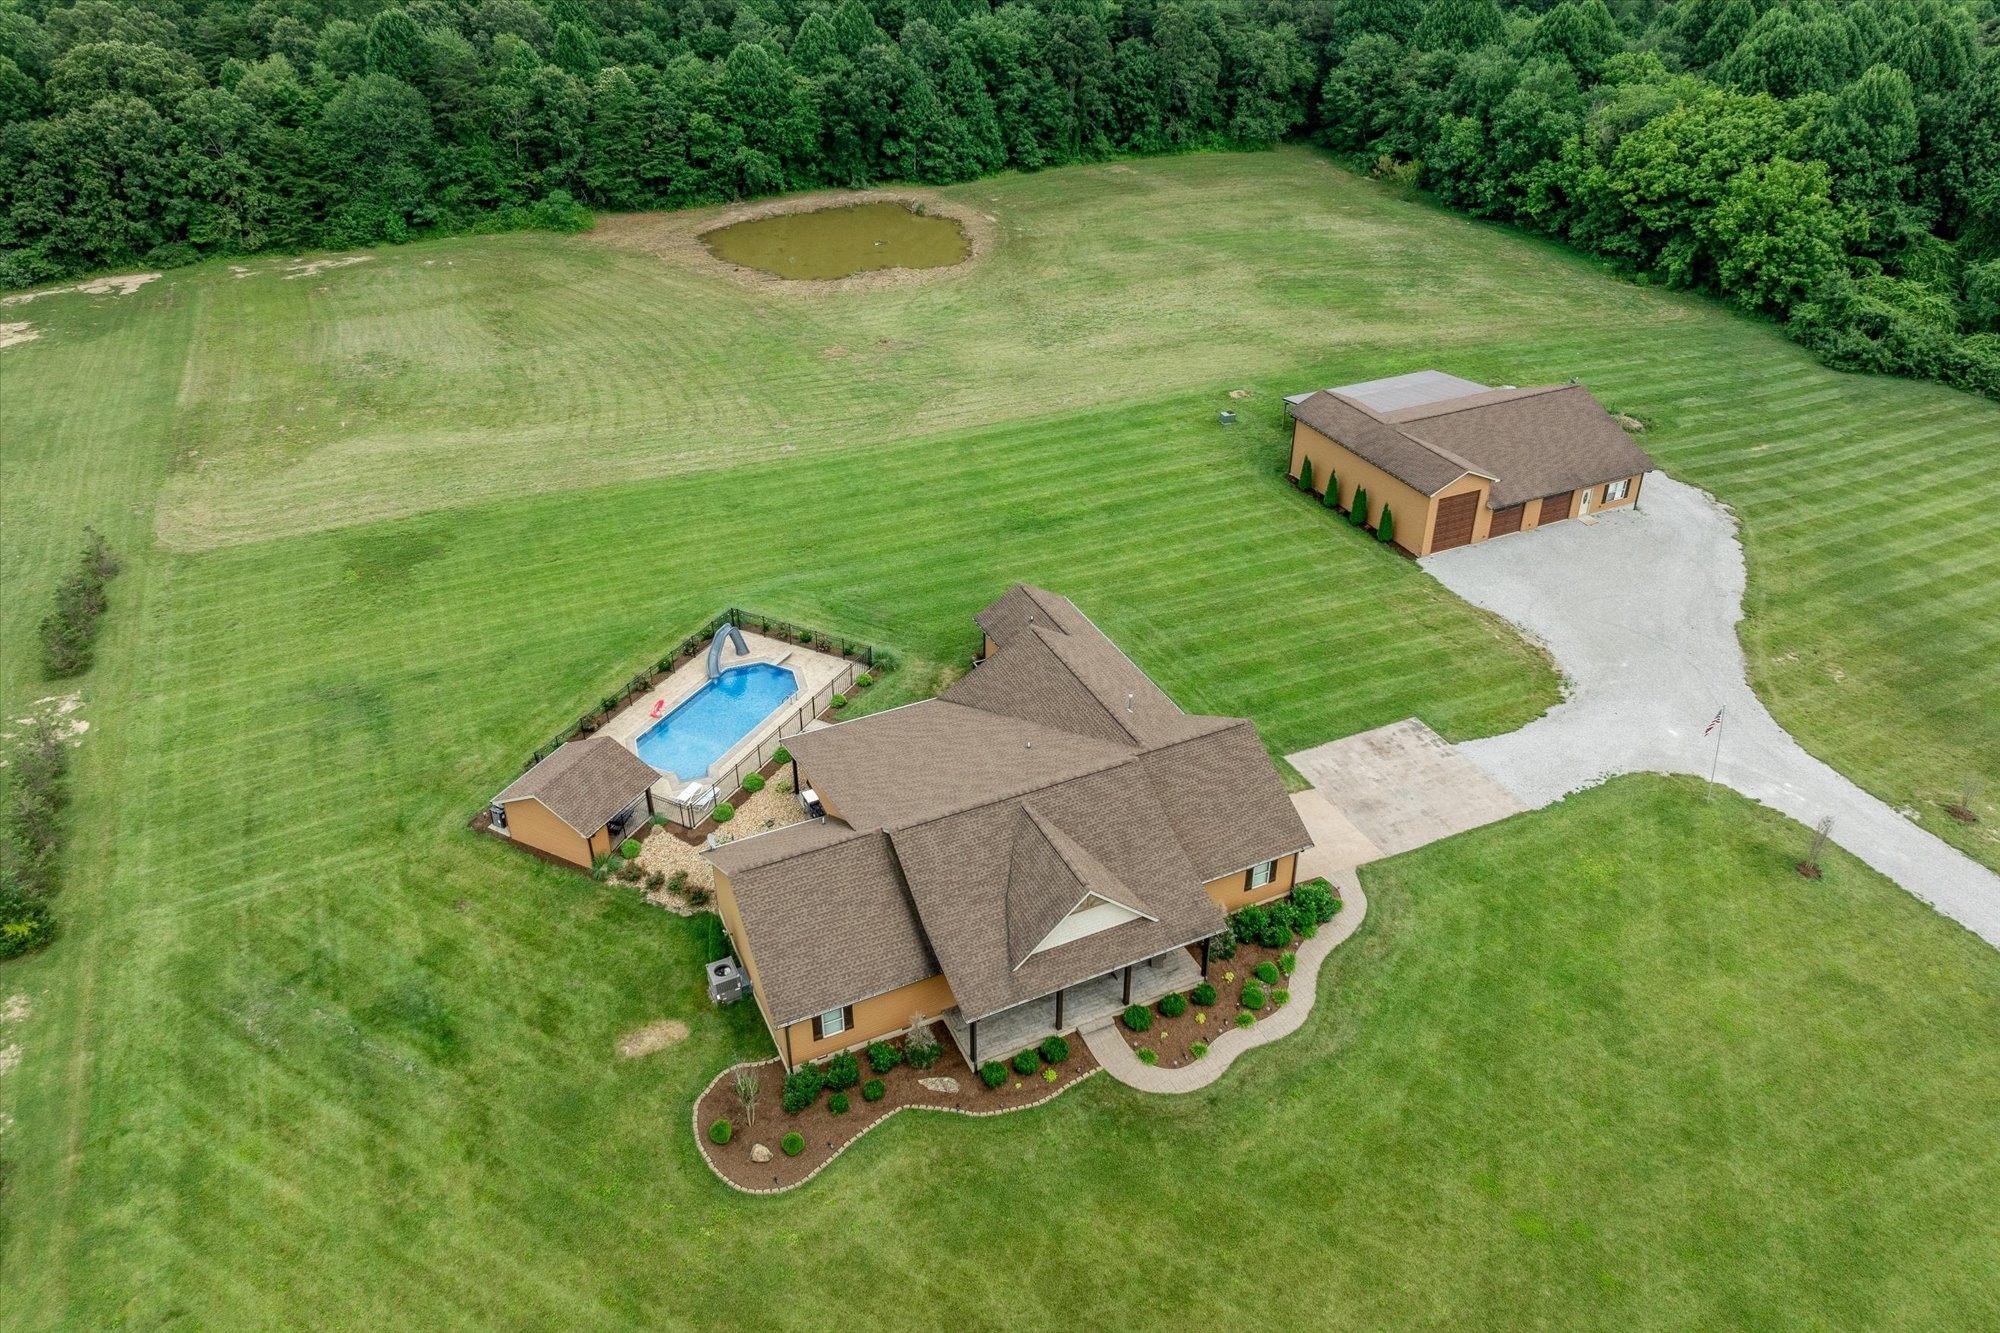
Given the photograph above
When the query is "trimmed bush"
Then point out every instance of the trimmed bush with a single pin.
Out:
(1253, 996)
(1248, 923)
(864, 680)
(754, 783)
(1276, 931)
(839, 701)
(781, 755)
(992, 1073)
(882, 1057)
(1281, 998)
(1315, 898)
(1147, 1055)
(1288, 963)
(1385, 531)
(1204, 994)
(802, 1087)
(1027, 1062)
(874, 1090)
(1266, 973)
(793, 1143)
(630, 849)
(1054, 1050)
(724, 812)
(1222, 947)
(838, 1103)
(1245, 1018)
(1198, 1050)
(1358, 515)
(1138, 1017)
(1173, 1004)
(1306, 475)
(1050, 1076)
(719, 1132)
(1332, 497)
(843, 1071)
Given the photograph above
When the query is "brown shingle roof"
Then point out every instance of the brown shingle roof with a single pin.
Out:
(829, 925)
(1048, 875)
(584, 783)
(1225, 801)
(1531, 442)
(1023, 604)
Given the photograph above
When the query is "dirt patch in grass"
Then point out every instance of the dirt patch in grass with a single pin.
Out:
(676, 237)
(827, 1134)
(652, 1037)
(119, 286)
(9, 1057)
(13, 335)
(14, 1009)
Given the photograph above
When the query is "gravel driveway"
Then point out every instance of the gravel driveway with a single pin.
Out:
(1640, 611)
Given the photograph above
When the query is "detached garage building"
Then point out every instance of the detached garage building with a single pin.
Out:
(1459, 462)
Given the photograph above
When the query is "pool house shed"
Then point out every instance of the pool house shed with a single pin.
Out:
(579, 802)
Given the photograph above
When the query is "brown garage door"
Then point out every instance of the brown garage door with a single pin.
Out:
(1555, 508)
(1506, 521)
(1454, 521)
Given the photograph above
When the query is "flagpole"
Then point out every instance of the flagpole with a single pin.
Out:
(1716, 763)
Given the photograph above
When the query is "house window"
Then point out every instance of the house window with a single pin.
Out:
(833, 1022)
(1260, 875)
(1617, 490)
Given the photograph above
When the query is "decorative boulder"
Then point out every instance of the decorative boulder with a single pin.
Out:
(939, 1084)
(759, 1153)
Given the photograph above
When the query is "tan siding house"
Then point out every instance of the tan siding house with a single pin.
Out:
(576, 804)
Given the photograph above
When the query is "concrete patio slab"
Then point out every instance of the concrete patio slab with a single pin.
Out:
(1337, 844)
(1403, 786)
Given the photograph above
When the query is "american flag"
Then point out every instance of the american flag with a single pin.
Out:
(1713, 725)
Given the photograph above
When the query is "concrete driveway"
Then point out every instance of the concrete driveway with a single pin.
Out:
(1639, 609)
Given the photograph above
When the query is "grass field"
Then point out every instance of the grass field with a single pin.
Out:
(309, 1052)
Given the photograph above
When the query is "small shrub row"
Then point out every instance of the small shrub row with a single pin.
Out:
(69, 630)
(1317, 900)
(1027, 1062)
(1173, 1004)
(1055, 1050)
(1266, 973)
(992, 1073)
(1203, 995)
(754, 783)
(883, 1056)
(1138, 1017)
(1254, 997)
(838, 1103)
(874, 1090)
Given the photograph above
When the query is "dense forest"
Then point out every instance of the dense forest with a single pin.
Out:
(1836, 166)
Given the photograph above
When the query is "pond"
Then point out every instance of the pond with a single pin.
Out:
(841, 242)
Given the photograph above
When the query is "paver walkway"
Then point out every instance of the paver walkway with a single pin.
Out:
(1118, 1061)
(1640, 611)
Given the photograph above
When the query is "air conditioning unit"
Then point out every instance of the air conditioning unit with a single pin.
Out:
(725, 982)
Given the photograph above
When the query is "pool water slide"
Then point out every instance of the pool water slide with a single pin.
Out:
(729, 633)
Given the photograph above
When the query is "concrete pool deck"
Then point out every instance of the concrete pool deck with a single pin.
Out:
(815, 671)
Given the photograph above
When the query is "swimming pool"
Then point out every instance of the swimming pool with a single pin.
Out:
(687, 741)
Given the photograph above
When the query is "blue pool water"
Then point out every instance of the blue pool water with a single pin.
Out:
(719, 714)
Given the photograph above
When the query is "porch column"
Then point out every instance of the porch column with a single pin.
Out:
(1059, 1000)
(972, 1031)
(1128, 985)
(1204, 958)
(650, 811)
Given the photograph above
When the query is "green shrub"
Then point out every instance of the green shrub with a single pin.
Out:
(1253, 996)
(1173, 1004)
(1055, 1050)
(1204, 994)
(754, 783)
(1138, 1017)
(838, 1103)
(793, 1143)
(1385, 531)
(26, 924)
(874, 1090)
(1332, 496)
(864, 680)
(1275, 930)
(1147, 1055)
(630, 849)
(1198, 1050)
(839, 701)
(1222, 947)
(921, 1046)
(1358, 515)
(657, 821)
(1266, 973)
(992, 1073)
(724, 812)
(1245, 1018)
(802, 1088)
(843, 1071)
(719, 1132)
(883, 660)
(1281, 998)
(1315, 898)
(1287, 963)
(1027, 1062)
(883, 1057)
(781, 755)
(1249, 923)
(1306, 475)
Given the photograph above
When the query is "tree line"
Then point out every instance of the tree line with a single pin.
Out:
(1834, 165)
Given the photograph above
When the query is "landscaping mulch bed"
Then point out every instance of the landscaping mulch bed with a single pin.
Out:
(1173, 1038)
(827, 1134)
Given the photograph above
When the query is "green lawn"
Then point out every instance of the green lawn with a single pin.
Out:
(308, 1052)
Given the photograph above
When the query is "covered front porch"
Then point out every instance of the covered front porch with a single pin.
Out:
(1085, 1004)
